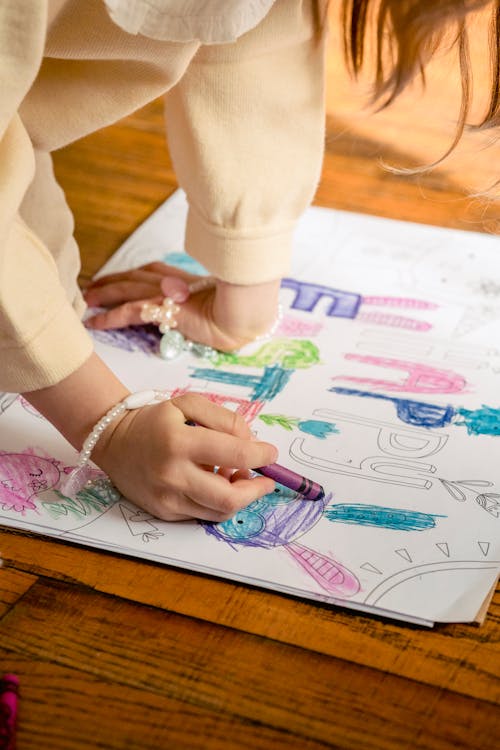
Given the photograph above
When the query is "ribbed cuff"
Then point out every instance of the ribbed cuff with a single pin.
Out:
(240, 256)
(58, 350)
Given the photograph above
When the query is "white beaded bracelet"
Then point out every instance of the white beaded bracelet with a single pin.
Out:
(132, 401)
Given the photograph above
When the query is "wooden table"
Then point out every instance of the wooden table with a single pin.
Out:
(118, 653)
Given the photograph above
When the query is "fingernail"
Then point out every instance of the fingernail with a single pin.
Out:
(176, 289)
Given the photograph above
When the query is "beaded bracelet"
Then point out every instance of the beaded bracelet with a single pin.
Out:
(173, 342)
(132, 401)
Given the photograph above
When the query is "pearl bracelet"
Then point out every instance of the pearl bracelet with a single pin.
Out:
(132, 401)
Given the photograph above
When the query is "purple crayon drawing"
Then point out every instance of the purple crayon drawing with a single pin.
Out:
(342, 304)
(144, 339)
(276, 520)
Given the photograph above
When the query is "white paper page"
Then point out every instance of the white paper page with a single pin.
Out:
(387, 405)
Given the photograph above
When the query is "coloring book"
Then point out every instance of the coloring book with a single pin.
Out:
(381, 383)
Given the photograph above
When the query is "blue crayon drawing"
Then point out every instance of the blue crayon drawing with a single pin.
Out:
(264, 387)
(271, 521)
(416, 413)
(276, 520)
(317, 428)
(359, 514)
(484, 421)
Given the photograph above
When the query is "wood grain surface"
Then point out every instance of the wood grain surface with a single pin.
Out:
(118, 653)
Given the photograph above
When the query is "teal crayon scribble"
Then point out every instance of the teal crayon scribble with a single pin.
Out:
(359, 514)
(318, 428)
(291, 354)
(483, 421)
(95, 498)
(264, 387)
(185, 262)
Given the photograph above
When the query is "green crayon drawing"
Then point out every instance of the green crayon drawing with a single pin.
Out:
(316, 427)
(288, 423)
(291, 354)
(95, 498)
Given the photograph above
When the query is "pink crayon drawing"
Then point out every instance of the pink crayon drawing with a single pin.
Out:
(24, 476)
(406, 302)
(248, 409)
(29, 408)
(421, 378)
(290, 326)
(395, 321)
(331, 575)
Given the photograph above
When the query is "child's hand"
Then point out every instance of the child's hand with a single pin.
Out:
(167, 467)
(224, 316)
(125, 293)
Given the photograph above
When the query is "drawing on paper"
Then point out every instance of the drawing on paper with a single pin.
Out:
(317, 427)
(140, 523)
(93, 499)
(24, 476)
(6, 400)
(377, 516)
(277, 520)
(355, 386)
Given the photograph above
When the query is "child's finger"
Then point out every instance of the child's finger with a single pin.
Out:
(176, 289)
(233, 474)
(120, 292)
(240, 474)
(163, 269)
(221, 449)
(199, 409)
(208, 497)
(136, 274)
(219, 498)
(120, 317)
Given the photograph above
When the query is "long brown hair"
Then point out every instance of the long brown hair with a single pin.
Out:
(404, 34)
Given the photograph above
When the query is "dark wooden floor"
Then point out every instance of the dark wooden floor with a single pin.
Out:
(118, 653)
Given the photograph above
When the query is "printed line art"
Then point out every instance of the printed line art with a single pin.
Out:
(140, 523)
(378, 596)
(6, 400)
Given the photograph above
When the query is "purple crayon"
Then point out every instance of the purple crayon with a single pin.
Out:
(306, 487)
(9, 687)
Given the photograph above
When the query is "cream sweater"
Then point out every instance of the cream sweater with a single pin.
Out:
(245, 122)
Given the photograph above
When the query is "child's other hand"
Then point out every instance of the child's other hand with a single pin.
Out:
(167, 467)
(224, 316)
(125, 293)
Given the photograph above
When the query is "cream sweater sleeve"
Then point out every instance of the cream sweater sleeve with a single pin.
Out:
(246, 134)
(41, 338)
